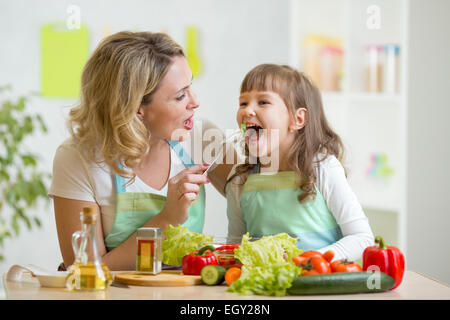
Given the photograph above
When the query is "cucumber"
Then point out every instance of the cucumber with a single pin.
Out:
(213, 274)
(341, 283)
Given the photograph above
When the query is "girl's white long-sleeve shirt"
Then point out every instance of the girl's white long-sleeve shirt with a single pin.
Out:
(340, 199)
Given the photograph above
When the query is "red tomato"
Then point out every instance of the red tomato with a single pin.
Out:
(329, 255)
(311, 253)
(316, 265)
(345, 266)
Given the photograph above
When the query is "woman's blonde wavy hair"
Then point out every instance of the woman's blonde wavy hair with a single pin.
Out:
(297, 91)
(123, 72)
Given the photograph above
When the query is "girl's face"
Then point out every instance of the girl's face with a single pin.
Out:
(268, 121)
(169, 115)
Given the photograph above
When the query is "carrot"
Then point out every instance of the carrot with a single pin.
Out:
(232, 275)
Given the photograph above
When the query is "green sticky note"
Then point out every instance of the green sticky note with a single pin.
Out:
(64, 53)
(192, 50)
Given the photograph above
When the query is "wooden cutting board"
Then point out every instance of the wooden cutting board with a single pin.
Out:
(166, 278)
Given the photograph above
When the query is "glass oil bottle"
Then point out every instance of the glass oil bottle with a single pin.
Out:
(87, 272)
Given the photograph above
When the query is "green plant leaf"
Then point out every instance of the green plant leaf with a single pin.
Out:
(22, 184)
(20, 106)
(28, 160)
(37, 221)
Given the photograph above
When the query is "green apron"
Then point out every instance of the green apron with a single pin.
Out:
(270, 205)
(134, 209)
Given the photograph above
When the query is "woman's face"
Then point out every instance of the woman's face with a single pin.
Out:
(169, 115)
(267, 120)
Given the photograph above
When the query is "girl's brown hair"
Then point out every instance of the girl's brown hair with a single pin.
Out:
(122, 73)
(297, 91)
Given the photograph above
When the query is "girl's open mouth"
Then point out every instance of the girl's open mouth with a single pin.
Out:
(189, 123)
(254, 133)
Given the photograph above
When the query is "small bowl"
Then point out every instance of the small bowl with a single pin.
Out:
(53, 281)
(224, 250)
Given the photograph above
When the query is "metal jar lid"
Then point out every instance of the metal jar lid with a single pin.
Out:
(149, 233)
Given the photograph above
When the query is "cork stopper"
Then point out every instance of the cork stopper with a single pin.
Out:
(89, 215)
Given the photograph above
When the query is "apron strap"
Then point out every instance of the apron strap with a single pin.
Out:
(120, 181)
(176, 146)
(181, 153)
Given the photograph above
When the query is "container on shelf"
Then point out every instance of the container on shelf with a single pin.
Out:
(374, 68)
(392, 68)
(330, 72)
(323, 61)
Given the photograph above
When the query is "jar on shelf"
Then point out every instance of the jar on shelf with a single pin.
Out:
(317, 57)
(374, 68)
(392, 68)
(331, 64)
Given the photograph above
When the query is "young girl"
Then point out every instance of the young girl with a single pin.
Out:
(292, 180)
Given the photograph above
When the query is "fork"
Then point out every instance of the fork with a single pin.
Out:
(238, 133)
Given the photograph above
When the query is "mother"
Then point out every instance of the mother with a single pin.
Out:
(123, 156)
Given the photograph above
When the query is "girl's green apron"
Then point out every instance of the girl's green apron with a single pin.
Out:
(134, 209)
(270, 205)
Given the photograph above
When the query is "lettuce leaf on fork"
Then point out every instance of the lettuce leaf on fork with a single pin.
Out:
(267, 267)
(179, 242)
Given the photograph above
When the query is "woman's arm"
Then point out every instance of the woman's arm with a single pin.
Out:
(67, 216)
(219, 175)
(182, 191)
(236, 222)
(221, 169)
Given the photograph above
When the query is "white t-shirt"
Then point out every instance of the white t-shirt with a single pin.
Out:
(340, 199)
(75, 177)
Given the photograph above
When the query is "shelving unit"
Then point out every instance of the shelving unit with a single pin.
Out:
(369, 123)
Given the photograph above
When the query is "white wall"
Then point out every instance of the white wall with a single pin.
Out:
(235, 36)
(428, 134)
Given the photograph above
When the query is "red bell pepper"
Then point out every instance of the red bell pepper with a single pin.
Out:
(389, 259)
(194, 262)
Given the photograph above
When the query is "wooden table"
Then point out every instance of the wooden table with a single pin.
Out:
(414, 286)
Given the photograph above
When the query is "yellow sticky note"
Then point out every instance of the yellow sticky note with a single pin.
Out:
(64, 53)
(192, 50)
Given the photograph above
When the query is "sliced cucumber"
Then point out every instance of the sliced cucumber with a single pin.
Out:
(341, 283)
(213, 274)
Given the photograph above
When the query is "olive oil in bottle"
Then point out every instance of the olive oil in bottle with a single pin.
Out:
(87, 272)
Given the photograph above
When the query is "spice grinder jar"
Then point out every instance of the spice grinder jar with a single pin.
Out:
(149, 245)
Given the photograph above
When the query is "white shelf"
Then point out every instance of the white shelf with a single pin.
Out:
(368, 123)
(360, 96)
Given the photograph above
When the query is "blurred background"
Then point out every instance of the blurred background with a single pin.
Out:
(382, 67)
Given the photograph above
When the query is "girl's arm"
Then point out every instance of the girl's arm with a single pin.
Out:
(342, 202)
